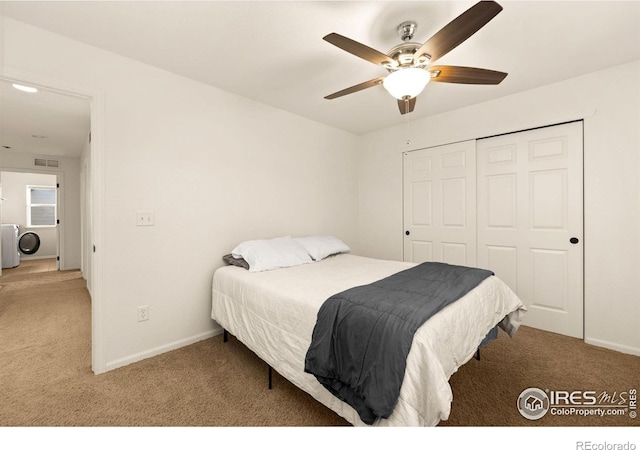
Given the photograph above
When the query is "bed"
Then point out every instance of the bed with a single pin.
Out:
(273, 313)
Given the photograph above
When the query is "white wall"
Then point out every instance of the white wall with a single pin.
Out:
(609, 101)
(215, 168)
(14, 209)
(68, 208)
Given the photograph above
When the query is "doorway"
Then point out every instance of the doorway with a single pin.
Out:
(53, 126)
(31, 201)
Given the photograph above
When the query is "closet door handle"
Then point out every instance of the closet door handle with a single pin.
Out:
(407, 232)
(574, 240)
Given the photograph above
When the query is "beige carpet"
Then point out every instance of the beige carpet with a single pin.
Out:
(46, 377)
(486, 391)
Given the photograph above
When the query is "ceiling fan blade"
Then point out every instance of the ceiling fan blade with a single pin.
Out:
(465, 75)
(458, 30)
(360, 50)
(406, 106)
(356, 88)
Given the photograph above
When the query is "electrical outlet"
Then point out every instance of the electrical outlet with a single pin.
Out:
(145, 218)
(143, 313)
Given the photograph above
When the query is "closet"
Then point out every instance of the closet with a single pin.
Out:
(512, 204)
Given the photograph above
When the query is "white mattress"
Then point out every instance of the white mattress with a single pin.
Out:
(273, 313)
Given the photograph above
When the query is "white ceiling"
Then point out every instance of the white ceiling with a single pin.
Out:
(42, 123)
(273, 52)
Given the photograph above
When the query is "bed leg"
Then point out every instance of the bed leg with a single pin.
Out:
(478, 354)
(270, 377)
(225, 335)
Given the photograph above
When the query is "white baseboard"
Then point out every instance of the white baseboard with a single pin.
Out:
(111, 365)
(23, 257)
(613, 346)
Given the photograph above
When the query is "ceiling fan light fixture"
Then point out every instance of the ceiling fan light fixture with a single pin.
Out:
(406, 83)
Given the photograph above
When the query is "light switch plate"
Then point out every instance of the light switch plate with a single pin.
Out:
(145, 218)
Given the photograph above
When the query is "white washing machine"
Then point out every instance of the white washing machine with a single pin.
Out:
(10, 253)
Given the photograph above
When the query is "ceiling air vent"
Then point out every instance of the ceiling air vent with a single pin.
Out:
(39, 162)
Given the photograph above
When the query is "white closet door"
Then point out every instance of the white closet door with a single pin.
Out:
(440, 204)
(530, 221)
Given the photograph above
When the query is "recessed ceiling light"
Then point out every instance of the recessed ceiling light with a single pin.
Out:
(24, 88)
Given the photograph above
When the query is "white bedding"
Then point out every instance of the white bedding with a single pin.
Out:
(273, 313)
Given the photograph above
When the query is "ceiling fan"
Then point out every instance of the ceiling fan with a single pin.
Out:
(410, 63)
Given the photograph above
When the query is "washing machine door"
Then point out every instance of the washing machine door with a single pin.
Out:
(29, 243)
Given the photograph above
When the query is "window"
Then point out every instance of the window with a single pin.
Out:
(41, 206)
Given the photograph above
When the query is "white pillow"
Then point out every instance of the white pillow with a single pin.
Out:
(268, 254)
(319, 247)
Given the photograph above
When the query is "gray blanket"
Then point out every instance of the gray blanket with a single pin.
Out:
(363, 335)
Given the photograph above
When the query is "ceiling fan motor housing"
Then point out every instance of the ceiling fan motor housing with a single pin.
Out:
(406, 30)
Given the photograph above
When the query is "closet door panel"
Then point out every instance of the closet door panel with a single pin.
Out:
(439, 204)
(530, 197)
